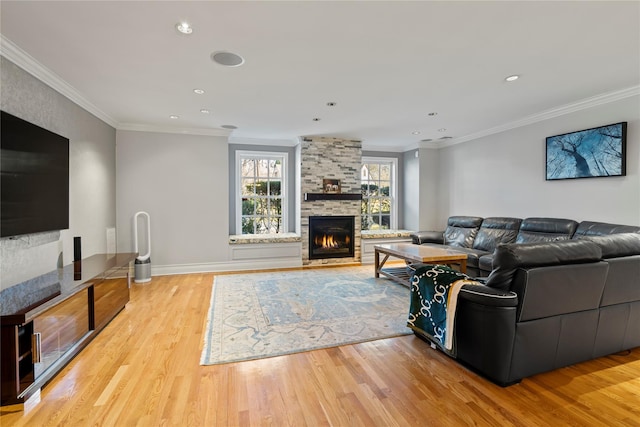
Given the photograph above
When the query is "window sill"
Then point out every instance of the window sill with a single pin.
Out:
(384, 234)
(244, 239)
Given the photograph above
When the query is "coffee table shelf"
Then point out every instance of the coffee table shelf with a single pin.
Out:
(398, 274)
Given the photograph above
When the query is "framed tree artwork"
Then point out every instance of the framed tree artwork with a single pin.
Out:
(589, 153)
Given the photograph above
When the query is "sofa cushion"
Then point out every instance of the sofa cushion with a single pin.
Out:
(623, 281)
(421, 237)
(616, 245)
(590, 228)
(622, 253)
(496, 230)
(461, 230)
(485, 263)
(507, 259)
(546, 230)
(559, 289)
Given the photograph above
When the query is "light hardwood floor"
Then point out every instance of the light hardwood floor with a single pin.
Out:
(143, 370)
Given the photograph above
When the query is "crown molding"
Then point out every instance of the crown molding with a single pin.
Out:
(582, 104)
(22, 59)
(264, 141)
(166, 129)
(383, 148)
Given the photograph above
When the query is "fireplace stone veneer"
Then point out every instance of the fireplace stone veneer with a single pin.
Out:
(330, 158)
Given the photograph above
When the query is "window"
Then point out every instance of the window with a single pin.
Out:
(378, 181)
(261, 184)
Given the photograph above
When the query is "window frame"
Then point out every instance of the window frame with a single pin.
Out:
(393, 190)
(269, 155)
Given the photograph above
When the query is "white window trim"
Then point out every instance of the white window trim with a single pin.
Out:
(284, 158)
(393, 191)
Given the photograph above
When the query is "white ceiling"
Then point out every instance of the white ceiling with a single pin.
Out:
(386, 64)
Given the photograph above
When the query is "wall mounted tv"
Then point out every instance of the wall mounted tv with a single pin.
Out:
(34, 181)
(588, 153)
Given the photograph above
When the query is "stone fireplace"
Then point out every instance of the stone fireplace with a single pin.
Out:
(331, 237)
(335, 159)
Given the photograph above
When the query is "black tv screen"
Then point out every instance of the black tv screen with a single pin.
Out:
(34, 181)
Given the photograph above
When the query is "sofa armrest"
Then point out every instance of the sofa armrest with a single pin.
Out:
(420, 237)
(491, 297)
(486, 330)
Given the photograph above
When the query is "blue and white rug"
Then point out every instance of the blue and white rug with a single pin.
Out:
(267, 314)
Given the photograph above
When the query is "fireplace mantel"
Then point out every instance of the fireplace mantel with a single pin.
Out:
(310, 197)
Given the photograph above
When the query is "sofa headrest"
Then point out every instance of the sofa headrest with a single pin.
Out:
(508, 258)
(496, 230)
(616, 245)
(590, 228)
(502, 223)
(464, 221)
(549, 225)
(545, 230)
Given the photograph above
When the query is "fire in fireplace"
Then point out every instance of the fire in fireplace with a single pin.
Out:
(331, 236)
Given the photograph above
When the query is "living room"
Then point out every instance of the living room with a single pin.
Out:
(185, 180)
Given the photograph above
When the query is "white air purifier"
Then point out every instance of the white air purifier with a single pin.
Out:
(142, 264)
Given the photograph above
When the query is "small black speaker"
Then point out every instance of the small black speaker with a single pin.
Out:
(77, 250)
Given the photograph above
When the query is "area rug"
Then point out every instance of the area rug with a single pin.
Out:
(267, 314)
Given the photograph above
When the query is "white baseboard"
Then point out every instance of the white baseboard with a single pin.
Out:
(221, 267)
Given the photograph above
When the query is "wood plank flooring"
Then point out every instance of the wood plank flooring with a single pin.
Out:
(143, 370)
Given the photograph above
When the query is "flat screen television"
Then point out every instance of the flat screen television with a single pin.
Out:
(34, 178)
(588, 153)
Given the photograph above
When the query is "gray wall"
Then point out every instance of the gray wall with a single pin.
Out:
(91, 177)
(421, 189)
(504, 174)
(411, 189)
(182, 182)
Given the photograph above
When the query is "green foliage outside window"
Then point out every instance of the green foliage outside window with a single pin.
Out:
(376, 196)
(261, 190)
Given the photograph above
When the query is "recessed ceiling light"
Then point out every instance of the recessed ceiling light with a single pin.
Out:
(184, 27)
(432, 114)
(512, 78)
(204, 111)
(316, 119)
(173, 116)
(199, 91)
(415, 132)
(229, 127)
(442, 130)
(228, 59)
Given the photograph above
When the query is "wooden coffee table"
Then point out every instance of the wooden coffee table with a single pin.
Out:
(415, 253)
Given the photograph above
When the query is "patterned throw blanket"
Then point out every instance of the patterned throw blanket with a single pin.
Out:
(434, 296)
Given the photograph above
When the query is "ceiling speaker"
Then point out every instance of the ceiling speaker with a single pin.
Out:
(227, 59)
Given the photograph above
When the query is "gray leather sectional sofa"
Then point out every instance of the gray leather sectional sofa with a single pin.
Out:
(558, 293)
(478, 237)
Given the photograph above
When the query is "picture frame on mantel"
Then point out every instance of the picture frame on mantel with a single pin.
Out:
(331, 186)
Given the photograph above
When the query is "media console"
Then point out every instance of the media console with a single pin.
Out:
(45, 322)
